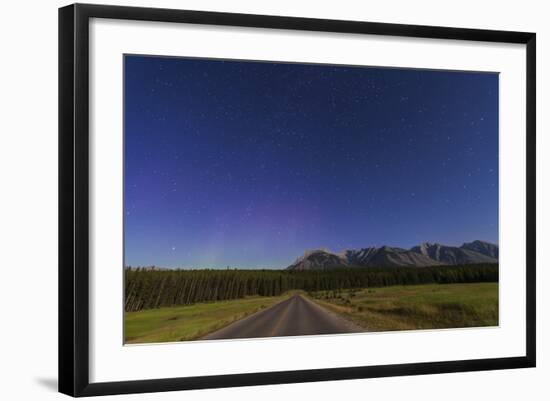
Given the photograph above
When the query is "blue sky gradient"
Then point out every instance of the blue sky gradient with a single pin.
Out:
(249, 164)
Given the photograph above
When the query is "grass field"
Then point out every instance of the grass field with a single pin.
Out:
(408, 307)
(413, 307)
(190, 322)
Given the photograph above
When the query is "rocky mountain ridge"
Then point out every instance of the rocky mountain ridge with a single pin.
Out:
(425, 254)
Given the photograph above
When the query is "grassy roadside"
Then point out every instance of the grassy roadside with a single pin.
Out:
(190, 322)
(411, 307)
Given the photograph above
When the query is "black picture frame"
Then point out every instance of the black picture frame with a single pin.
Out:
(74, 198)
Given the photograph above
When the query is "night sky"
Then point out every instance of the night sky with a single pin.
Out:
(249, 164)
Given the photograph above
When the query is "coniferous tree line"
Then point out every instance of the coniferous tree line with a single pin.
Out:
(147, 288)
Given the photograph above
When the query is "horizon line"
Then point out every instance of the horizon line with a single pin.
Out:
(228, 267)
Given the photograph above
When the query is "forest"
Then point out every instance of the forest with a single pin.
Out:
(148, 288)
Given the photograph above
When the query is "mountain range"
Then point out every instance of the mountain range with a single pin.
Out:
(426, 254)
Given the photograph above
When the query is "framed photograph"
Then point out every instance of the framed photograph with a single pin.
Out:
(249, 199)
